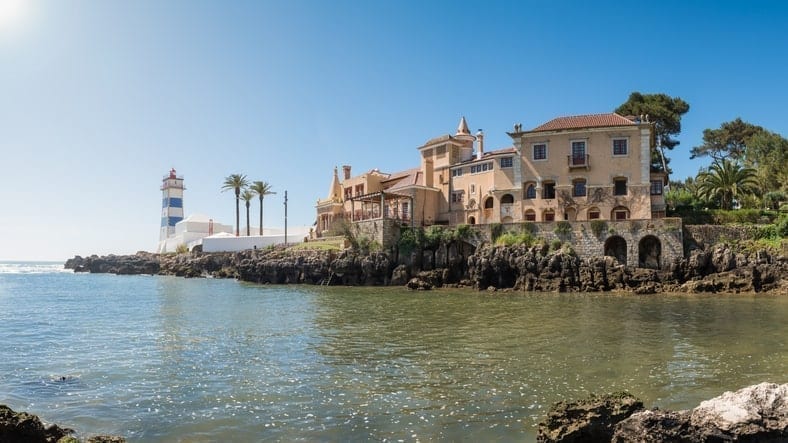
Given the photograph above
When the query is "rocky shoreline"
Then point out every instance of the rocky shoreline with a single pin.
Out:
(22, 427)
(714, 269)
(757, 413)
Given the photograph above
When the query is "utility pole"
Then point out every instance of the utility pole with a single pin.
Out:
(285, 218)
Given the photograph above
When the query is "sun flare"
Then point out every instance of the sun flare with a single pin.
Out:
(13, 12)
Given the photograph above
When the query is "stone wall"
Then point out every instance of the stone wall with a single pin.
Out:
(595, 238)
(709, 235)
(385, 231)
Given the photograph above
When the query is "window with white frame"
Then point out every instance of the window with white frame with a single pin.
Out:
(620, 147)
(540, 151)
(506, 162)
(483, 167)
(578, 151)
(456, 196)
(456, 172)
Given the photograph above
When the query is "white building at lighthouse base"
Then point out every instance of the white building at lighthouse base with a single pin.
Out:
(191, 231)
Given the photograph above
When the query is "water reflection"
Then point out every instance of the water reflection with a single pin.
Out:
(170, 359)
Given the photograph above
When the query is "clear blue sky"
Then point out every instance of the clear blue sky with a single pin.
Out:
(99, 99)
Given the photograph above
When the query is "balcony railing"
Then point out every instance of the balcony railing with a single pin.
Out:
(578, 161)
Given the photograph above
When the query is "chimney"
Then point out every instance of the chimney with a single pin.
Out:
(346, 171)
(480, 143)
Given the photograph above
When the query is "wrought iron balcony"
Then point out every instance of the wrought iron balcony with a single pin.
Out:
(578, 161)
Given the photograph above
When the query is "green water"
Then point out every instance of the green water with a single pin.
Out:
(169, 359)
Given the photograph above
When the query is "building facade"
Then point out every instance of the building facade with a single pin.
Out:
(588, 167)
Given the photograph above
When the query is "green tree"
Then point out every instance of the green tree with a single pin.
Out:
(236, 182)
(665, 112)
(767, 153)
(261, 189)
(247, 196)
(729, 141)
(727, 180)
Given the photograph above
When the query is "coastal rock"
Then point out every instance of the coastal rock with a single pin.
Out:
(21, 427)
(139, 263)
(653, 426)
(755, 413)
(590, 420)
(400, 275)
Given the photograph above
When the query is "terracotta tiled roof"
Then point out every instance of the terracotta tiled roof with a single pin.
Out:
(403, 179)
(584, 121)
(508, 150)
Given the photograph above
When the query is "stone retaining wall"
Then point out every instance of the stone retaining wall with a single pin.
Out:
(595, 238)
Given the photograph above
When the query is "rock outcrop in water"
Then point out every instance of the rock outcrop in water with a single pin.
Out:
(756, 413)
(22, 427)
(715, 269)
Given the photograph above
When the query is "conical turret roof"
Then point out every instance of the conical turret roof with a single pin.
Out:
(462, 128)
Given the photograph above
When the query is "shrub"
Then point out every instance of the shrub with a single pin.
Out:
(181, 249)
(555, 244)
(511, 239)
(409, 239)
(563, 227)
(598, 227)
(530, 227)
(496, 229)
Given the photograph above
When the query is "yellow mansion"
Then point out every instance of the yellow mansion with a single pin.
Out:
(571, 168)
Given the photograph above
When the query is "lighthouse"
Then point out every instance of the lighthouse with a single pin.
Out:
(171, 204)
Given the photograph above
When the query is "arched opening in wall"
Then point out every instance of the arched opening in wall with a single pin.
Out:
(489, 203)
(471, 220)
(649, 252)
(548, 215)
(529, 215)
(507, 220)
(507, 199)
(593, 213)
(570, 214)
(619, 213)
(616, 247)
(529, 191)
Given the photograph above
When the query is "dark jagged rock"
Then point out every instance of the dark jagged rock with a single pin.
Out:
(719, 268)
(139, 263)
(590, 420)
(22, 427)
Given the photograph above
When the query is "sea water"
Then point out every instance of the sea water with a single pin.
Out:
(171, 359)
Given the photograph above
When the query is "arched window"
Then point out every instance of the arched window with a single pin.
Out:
(489, 203)
(530, 191)
(594, 213)
(619, 213)
(548, 215)
(507, 199)
(530, 215)
(471, 220)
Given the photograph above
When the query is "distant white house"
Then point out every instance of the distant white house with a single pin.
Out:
(191, 231)
(227, 242)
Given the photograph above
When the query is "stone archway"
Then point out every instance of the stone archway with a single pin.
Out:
(616, 247)
(471, 220)
(649, 252)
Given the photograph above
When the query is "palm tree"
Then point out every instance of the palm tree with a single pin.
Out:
(261, 189)
(247, 197)
(236, 182)
(727, 180)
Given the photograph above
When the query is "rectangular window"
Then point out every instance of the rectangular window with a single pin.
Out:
(475, 169)
(593, 215)
(440, 151)
(578, 153)
(579, 188)
(456, 172)
(548, 191)
(348, 193)
(621, 215)
(506, 162)
(620, 146)
(656, 187)
(456, 197)
(540, 151)
(359, 189)
(620, 186)
(473, 188)
(549, 216)
(530, 216)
